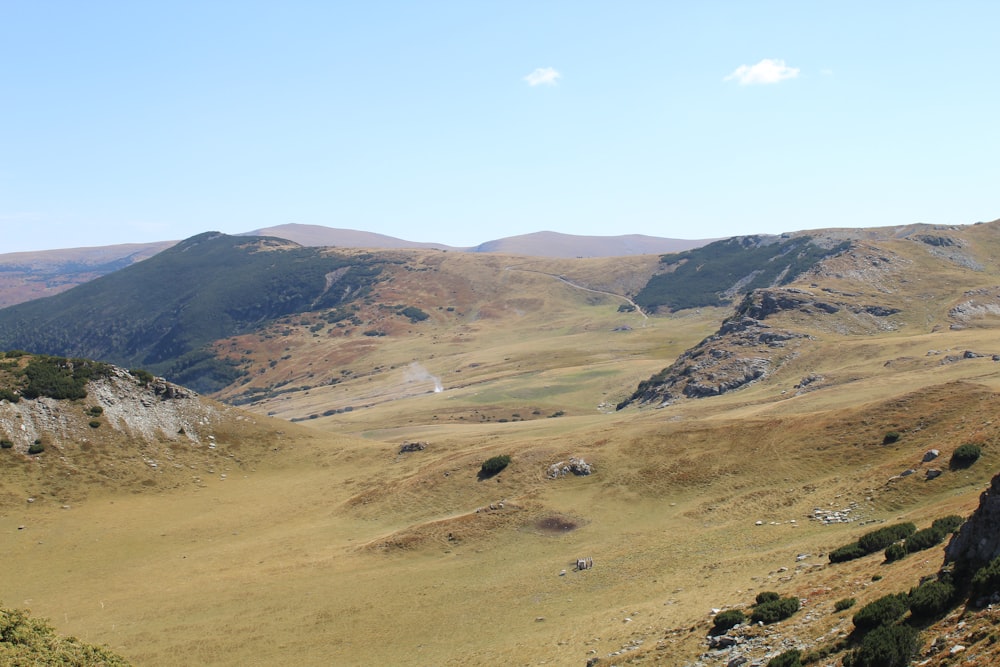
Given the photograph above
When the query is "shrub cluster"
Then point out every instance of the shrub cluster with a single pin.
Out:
(790, 658)
(876, 540)
(885, 646)
(728, 619)
(771, 608)
(986, 580)
(59, 378)
(884, 611)
(25, 640)
(494, 464)
(890, 437)
(924, 539)
(965, 456)
(931, 599)
(844, 604)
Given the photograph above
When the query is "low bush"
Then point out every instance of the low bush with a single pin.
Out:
(728, 619)
(846, 553)
(948, 524)
(877, 540)
(883, 611)
(414, 313)
(36, 448)
(885, 646)
(95, 423)
(791, 658)
(8, 395)
(143, 377)
(773, 611)
(931, 599)
(895, 552)
(965, 456)
(844, 604)
(6, 444)
(890, 437)
(986, 580)
(493, 465)
(924, 539)
(766, 596)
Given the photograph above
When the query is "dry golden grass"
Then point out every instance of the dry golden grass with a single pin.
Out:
(337, 549)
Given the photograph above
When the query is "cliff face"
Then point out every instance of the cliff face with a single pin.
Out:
(978, 542)
(157, 410)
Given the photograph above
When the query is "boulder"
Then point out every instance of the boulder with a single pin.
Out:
(930, 455)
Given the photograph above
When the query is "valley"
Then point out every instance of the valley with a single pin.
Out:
(291, 528)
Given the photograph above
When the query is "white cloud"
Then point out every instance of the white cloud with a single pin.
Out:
(542, 76)
(767, 70)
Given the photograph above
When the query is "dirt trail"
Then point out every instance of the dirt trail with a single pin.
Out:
(632, 303)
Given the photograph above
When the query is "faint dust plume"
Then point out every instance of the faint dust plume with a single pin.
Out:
(417, 373)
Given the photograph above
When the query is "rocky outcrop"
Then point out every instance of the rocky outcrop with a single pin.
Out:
(157, 410)
(744, 350)
(575, 466)
(978, 542)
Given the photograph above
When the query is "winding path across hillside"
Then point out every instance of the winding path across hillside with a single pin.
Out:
(632, 303)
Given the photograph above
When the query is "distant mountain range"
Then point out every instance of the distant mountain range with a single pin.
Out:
(32, 275)
(539, 244)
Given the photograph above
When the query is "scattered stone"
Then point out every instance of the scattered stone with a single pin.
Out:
(539, 619)
(907, 473)
(758, 523)
(957, 648)
(933, 473)
(412, 447)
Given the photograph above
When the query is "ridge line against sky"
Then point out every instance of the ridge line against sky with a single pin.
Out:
(460, 123)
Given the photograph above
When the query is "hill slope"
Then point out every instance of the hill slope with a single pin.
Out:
(377, 520)
(161, 313)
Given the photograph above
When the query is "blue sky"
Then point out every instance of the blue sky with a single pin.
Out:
(461, 122)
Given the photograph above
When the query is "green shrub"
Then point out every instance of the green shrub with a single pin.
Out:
(877, 540)
(36, 448)
(883, 611)
(766, 596)
(414, 313)
(774, 610)
(924, 539)
(6, 444)
(143, 377)
(493, 465)
(846, 553)
(986, 580)
(965, 456)
(59, 378)
(9, 395)
(895, 552)
(885, 646)
(844, 604)
(890, 437)
(95, 411)
(791, 658)
(94, 423)
(730, 618)
(948, 524)
(931, 599)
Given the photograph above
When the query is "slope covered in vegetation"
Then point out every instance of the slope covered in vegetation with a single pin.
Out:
(160, 313)
(715, 274)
